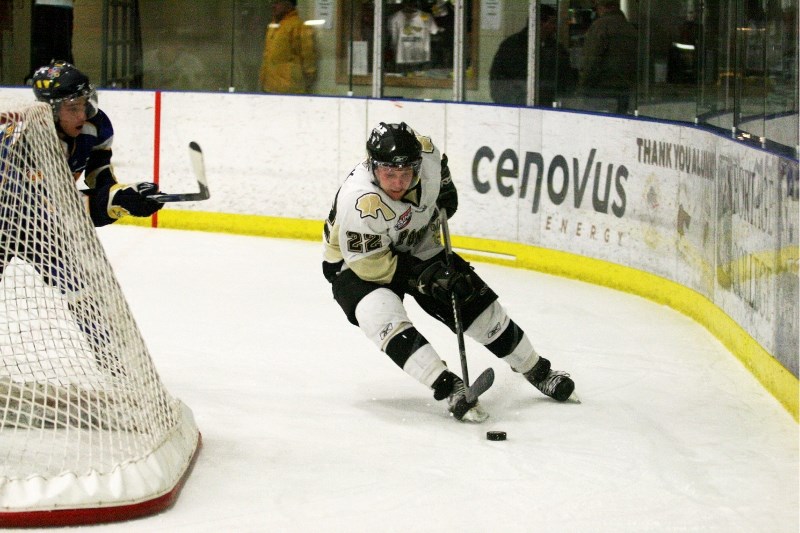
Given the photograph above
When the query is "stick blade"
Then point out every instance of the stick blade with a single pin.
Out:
(199, 169)
(480, 385)
(198, 165)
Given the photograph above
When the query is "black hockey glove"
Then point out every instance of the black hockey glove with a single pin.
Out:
(132, 199)
(440, 281)
(448, 195)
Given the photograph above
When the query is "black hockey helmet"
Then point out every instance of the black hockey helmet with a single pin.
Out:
(394, 145)
(61, 82)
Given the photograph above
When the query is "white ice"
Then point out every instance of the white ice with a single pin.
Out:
(307, 427)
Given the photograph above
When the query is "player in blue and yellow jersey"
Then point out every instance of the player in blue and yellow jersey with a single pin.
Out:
(86, 135)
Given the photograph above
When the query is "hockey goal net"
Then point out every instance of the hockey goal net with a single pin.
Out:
(88, 432)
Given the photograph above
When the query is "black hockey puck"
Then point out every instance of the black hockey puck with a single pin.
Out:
(495, 435)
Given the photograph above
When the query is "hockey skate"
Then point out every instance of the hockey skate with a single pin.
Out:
(450, 386)
(553, 383)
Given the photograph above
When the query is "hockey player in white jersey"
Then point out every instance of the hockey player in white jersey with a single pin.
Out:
(381, 242)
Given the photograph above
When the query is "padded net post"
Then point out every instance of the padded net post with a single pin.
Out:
(88, 432)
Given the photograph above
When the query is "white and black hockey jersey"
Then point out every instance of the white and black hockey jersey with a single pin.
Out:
(366, 227)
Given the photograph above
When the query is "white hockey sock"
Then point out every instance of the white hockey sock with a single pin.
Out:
(490, 325)
(524, 357)
(425, 365)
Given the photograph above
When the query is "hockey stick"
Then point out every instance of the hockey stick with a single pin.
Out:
(199, 167)
(486, 378)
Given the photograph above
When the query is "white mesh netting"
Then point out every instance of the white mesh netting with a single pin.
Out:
(85, 422)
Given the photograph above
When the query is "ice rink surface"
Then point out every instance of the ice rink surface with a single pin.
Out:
(308, 428)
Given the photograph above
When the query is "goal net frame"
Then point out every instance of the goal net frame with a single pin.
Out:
(88, 431)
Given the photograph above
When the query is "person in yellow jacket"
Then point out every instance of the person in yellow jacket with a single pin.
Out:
(289, 65)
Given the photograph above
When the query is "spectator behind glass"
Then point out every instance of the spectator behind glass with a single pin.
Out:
(608, 67)
(289, 65)
(509, 72)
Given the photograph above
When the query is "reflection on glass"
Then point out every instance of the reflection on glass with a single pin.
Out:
(417, 48)
(509, 71)
(607, 72)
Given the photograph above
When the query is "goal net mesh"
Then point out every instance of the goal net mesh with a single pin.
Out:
(88, 432)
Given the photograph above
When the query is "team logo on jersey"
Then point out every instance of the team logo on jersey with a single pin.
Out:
(370, 204)
(404, 220)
